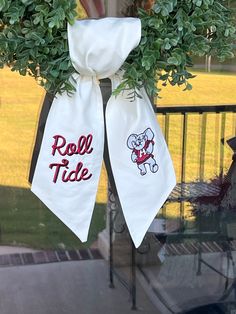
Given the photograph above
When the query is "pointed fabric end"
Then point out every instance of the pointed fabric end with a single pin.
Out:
(143, 223)
(138, 242)
(80, 229)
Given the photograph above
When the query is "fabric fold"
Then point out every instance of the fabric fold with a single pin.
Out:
(70, 159)
(140, 160)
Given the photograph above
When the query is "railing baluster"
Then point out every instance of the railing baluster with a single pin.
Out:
(184, 147)
(183, 163)
(166, 134)
(202, 146)
(216, 144)
(222, 148)
(167, 124)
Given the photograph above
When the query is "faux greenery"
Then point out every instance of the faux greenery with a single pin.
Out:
(33, 40)
(174, 31)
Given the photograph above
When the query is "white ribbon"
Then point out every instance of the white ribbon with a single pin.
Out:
(69, 164)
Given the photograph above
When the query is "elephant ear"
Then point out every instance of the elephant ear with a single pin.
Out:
(132, 138)
(149, 134)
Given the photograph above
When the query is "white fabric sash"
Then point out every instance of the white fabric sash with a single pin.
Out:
(69, 163)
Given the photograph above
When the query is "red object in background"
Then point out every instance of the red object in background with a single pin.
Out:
(149, 4)
(94, 8)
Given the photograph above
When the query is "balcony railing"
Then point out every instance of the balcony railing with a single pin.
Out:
(196, 137)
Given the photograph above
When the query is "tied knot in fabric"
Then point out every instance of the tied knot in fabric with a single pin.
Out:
(99, 48)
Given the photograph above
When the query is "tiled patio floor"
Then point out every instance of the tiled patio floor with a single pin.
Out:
(76, 287)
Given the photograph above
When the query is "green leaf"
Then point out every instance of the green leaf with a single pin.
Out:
(173, 60)
(188, 87)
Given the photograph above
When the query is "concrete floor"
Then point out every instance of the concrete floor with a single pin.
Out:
(177, 283)
(65, 288)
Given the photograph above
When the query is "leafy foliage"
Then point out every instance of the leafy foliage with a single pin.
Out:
(172, 33)
(33, 40)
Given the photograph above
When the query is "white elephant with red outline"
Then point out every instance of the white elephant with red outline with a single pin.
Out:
(142, 146)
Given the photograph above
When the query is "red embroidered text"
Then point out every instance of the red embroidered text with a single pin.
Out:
(82, 147)
(62, 169)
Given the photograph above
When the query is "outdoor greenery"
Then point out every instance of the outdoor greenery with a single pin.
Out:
(172, 33)
(33, 40)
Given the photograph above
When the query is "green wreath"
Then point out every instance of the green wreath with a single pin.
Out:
(33, 40)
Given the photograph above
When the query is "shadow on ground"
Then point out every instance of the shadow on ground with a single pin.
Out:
(24, 220)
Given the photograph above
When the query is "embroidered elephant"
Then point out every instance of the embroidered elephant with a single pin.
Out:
(142, 146)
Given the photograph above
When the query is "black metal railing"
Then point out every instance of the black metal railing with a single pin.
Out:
(221, 113)
(199, 134)
(196, 137)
